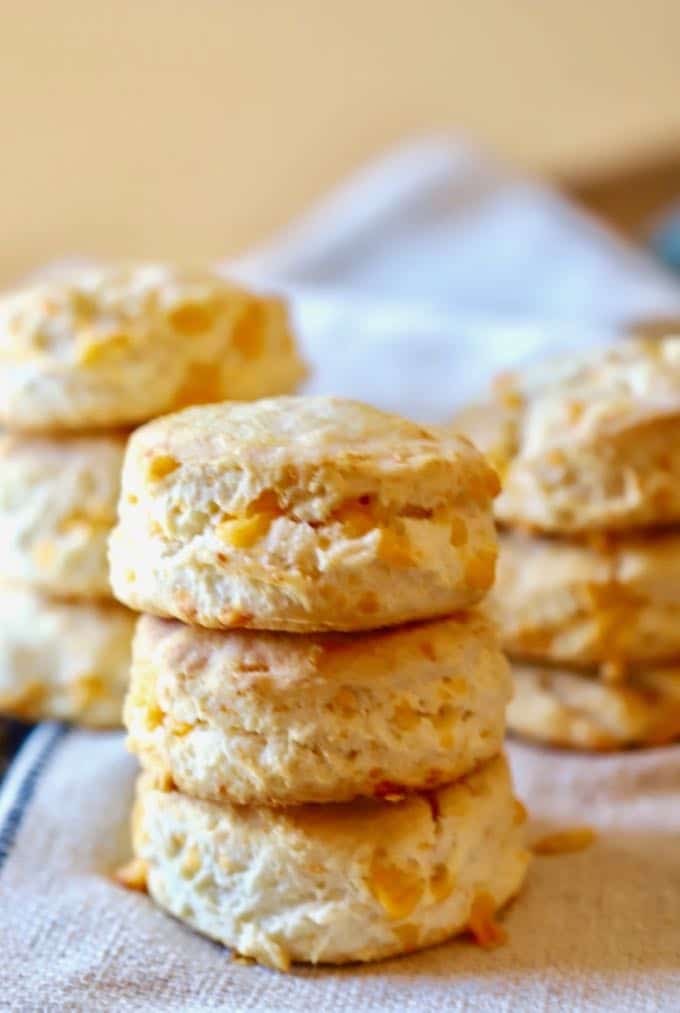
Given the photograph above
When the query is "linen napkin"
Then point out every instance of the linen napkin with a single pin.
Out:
(410, 286)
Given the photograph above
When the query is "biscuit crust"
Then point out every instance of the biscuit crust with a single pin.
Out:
(339, 883)
(58, 500)
(115, 346)
(301, 514)
(281, 719)
(612, 601)
(63, 660)
(587, 443)
(576, 711)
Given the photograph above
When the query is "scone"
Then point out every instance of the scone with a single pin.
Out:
(279, 719)
(612, 602)
(301, 514)
(63, 660)
(58, 498)
(335, 883)
(116, 346)
(573, 710)
(587, 443)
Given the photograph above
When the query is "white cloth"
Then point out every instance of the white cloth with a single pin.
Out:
(410, 287)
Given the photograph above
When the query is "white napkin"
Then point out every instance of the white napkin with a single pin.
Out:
(410, 286)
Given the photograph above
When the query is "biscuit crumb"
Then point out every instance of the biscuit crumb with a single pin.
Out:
(133, 875)
(240, 958)
(564, 841)
(482, 924)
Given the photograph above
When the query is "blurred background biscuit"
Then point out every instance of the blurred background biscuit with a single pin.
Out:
(115, 346)
(587, 442)
(58, 500)
(563, 708)
(63, 660)
(612, 601)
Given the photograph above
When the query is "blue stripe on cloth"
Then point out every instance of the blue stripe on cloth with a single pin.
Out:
(22, 779)
(12, 734)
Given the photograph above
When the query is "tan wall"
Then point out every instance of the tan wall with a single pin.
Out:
(188, 128)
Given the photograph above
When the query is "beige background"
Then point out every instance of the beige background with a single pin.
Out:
(190, 129)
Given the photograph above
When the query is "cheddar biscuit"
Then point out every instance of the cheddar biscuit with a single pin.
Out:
(63, 660)
(301, 514)
(278, 719)
(612, 601)
(116, 346)
(587, 443)
(577, 711)
(58, 499)
(334, 883)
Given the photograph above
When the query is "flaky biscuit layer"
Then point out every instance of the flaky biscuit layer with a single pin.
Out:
(335, 883)
(279, 719)
(301, 514)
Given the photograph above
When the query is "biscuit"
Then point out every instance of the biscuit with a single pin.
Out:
(279, 719)
(58, 499)
(492, 427)
(337, 883)
(63, 660)
(116, 346)
(611, 602)
(577, 711)
(587, 443)
(301, 514)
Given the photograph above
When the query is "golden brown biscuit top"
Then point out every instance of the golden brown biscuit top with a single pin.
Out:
(109, 313)
(606, 392)
(290, 432)
(576, 401)
(271, 663)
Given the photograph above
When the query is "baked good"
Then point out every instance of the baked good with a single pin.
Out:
(334, 883)
(577, 711)
(610, 601)
(114, 346)
(63, 660)
(279, 719)
(301, 514)
(58, 499)
(588, 442)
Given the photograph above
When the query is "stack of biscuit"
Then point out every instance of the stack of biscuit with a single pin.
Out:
(318, 720)
(588, 590)
(82, 359)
